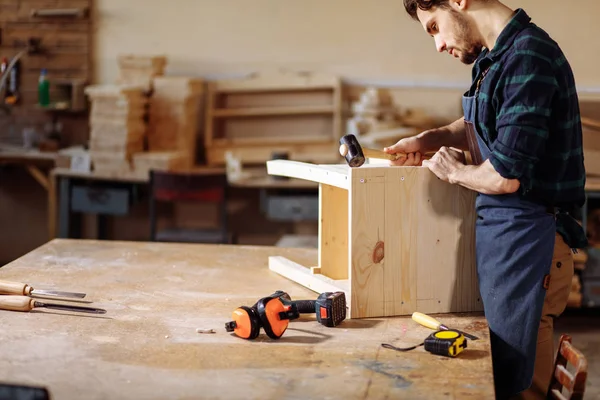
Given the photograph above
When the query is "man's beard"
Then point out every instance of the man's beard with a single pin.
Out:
(465, 34)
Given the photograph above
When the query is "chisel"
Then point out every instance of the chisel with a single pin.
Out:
(434, 324)
(24, 303)
(18, 288)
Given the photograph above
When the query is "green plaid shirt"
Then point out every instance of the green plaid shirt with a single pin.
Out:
(528, 114)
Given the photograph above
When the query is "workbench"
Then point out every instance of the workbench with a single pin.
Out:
(158, 294)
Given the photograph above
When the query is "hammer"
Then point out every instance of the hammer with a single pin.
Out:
(355, 155)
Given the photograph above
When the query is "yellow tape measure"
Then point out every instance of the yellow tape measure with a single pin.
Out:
(444, 343)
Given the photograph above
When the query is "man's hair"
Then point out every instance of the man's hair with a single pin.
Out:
(411, 6)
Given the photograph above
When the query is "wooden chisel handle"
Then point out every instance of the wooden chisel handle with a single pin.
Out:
(427, 321)
(7, 287)
(16, 303)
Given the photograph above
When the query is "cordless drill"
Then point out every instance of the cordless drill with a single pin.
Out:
(329, 307)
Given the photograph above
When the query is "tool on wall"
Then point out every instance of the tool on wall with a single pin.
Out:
(448, 343)
(12, 70)
(432, 323)
(18, 288)
(25, 303)
(355, 155)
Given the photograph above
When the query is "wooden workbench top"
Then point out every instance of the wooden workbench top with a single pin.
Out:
(157, 295)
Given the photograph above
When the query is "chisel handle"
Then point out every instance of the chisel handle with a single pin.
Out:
(7, 287)
(16, 303)
(427, 321)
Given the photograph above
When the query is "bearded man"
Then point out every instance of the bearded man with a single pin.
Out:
(522, 129)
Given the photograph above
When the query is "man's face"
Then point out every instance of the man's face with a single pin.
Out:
(453, 32)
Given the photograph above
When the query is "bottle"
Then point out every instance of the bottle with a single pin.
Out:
(12, 96)
(3, 71)
(43, 90)
(4, 66)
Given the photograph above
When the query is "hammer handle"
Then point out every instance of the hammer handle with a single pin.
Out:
(370, 153)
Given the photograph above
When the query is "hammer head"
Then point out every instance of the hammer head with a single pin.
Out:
(350, 149)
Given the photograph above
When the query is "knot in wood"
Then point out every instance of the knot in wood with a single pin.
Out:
(378, 252)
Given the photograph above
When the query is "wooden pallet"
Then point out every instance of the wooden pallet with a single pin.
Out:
(394, 239)
(293, 113)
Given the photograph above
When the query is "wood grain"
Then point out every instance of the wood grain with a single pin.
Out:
(367, 228)
(158, 294)
(333, 231)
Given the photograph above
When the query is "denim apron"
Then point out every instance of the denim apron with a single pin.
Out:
(514, 248)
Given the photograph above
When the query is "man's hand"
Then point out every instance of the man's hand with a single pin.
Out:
(445, 163)
(411, 146)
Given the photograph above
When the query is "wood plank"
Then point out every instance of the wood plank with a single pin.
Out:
(268, 81)
(303, 275)
(27, 6)
(315, 97)
(278, 126)
(400, 241)
(446, 272)
(333, 231)
(315, 173)
(267, 111)
(366, 236)
(273, 140)
(309, 152)
(58, 62)
(53, 40)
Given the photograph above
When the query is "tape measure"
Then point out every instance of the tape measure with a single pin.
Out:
(444, 343)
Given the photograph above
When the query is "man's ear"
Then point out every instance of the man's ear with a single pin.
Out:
(460, 5)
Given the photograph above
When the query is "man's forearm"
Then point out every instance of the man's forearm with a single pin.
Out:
(452, 135)
(483, 179)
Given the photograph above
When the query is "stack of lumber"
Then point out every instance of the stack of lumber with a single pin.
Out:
(173, 122)
(373, 112)
(140, 70)
(117, 126)
(576, 296)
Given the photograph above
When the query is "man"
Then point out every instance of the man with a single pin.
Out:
(522, 128)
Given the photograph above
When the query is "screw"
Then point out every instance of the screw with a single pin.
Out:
(362, 181)
(402, 178)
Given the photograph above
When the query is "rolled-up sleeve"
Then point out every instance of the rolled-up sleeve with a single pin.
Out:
(523, 101)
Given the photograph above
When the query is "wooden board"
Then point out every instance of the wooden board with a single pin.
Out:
(333, 175)
(158, 294)
(407, 238)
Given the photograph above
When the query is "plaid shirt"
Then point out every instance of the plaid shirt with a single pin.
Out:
(528, 114)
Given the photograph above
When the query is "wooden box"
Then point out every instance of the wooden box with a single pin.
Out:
(394, 239)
